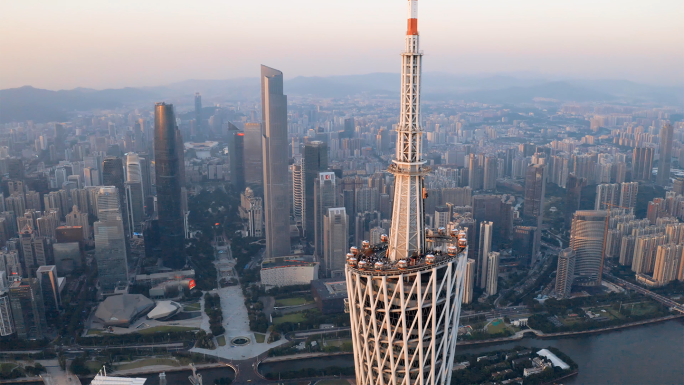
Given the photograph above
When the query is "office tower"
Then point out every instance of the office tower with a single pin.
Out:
(335, 241)
(136, 206)
(665, 162)
(469, 281)
(199, 132)
(253, 155)
(28, 310)
(52, 300)
(628, 194)
(490, 172)
(168, 184)
(486, 234)
(315, 160)
(586, 239)
(642, 163)
(607, 196)
(492, 273)
(524, 243)
(113, 175)
(565, 273)
(237, 161)
(668, 258)
(325, 197)
(298, 195)
(535, 187)
(110, 246)
(393, 342)
(497, 209)
(349, 128)
(6, 321)
(275, 159)
(252, 209)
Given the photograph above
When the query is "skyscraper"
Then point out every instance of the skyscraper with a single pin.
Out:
(28, 310)
(492, 273)
(535, 187)
(47, 276)
(168, 182)
(573, 196)
(486, 234)
(113, 175)
(490, 172)
(586, 239)
(253, 156)
(198, 116)
(315, 160)
(335, 240)
(276, 186)
(400, 334)
(110, 246)
(565, 273)
(298, 195)
(237, 160)
(324, 197)
(607, 194)
(665, 162)
(469, 283)
(642, 163)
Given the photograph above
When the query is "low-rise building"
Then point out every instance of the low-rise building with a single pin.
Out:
(329, 294)
(290, 270)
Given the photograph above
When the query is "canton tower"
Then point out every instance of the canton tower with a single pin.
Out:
(404, 294)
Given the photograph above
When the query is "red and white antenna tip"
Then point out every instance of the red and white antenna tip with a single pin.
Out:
(412, 18)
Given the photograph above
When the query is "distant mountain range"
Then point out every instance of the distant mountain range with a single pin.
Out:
(28, 103)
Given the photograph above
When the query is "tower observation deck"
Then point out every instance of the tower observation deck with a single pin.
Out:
(404, 294)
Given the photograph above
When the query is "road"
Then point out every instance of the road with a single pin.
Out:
(664, 300)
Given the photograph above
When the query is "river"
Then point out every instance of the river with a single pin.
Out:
(650, 354)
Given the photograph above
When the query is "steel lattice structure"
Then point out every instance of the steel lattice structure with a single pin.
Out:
(404, 295)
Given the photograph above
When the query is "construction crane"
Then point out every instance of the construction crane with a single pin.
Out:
(610, 206)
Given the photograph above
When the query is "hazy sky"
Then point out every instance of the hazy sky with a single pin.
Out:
(58, 44)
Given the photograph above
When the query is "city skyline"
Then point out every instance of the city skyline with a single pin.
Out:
(548, 38)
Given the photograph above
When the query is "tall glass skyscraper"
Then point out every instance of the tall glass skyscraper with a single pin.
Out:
(275, 145)
(168, 181)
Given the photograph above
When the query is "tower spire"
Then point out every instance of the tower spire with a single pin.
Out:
(407, 235)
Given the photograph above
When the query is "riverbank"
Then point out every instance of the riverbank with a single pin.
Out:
(538, 333)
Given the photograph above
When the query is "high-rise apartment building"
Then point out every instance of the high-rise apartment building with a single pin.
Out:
(298, 195)
(607, 196)
(665, 162)
(645, 251)
(586, 240)
(490, 172)
(28, 311)
(486, 235)
(276, 186)
(628, 194)
(335, 241)
(168, 183)
(475, 173)
(407, 349)
(315, 160)
(668, 258)
(469, 278)
(492, 273)
(642, 163)
(565, 273)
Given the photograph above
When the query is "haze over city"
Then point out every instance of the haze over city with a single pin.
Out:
(384, 192)
(69, 44)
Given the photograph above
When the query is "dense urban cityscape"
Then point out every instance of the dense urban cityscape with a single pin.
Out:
(237, 233)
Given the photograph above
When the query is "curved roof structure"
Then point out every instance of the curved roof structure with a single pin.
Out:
(164, 309)
(122, 310)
